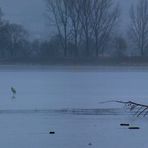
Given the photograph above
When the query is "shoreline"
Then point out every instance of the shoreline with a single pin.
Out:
(84, 61)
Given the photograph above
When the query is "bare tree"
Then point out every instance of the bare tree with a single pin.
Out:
(59, 10)
(1, 16)
(13, 40)
(120, 45)
(74, 15)
(104, 18)
(86, 20)
(138, 29)
(18, 35)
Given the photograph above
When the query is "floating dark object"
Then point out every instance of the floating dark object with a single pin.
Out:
(124, 124)
(51, 132)
(90, 144)
(133, 127)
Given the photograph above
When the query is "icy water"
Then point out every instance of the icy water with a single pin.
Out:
(67, 101)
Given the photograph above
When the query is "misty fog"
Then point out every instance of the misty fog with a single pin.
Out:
(73, 73)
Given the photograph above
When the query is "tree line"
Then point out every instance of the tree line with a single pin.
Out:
(92, 28)
(82, 28)
(13, 39)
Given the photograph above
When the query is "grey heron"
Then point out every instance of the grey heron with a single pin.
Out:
(13, 91)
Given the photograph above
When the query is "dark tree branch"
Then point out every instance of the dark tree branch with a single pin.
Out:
(142, 108)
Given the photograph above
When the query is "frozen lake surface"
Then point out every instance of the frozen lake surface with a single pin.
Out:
(66, 100)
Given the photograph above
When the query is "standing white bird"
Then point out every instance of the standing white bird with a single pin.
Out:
(13, 91)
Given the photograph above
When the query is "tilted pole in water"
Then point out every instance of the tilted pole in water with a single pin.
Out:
(139, 109)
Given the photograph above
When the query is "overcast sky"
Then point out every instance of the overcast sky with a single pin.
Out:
(31, 13)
